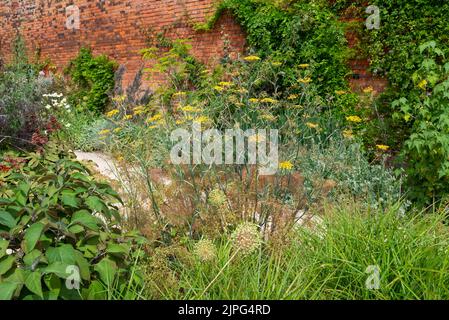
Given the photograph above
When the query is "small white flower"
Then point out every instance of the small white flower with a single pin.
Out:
(9, 252)
(48, 107)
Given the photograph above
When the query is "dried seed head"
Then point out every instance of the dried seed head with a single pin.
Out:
(217, 198)
(205, 250)
(246, 238)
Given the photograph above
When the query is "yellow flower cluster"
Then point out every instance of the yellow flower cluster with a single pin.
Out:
(139, 110)
(276, 64)
(127, 117)
(292, 97)
(423, 84)
(340, 92)
(104, 132)
(286, 165)
(112, 113)
(304, 65)
(191, 109)
(268, 100)
(251, 58)
(254, 100)
(368, 89)
(155, 118)
(305, 80)
(355, 119)
(312, 125)
(382, 147)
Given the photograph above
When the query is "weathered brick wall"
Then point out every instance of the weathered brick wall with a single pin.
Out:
(118, 28)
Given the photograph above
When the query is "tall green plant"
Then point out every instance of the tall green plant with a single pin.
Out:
(94, 80)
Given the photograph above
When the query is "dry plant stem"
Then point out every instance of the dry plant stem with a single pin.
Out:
(220, 272)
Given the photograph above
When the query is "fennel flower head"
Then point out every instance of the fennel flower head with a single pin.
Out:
(246, 238)
(205, 250)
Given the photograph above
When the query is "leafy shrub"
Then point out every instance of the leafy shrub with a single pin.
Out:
(94, 81)
(302, 32)
(20, 100)
(59, 226)
(425, 111)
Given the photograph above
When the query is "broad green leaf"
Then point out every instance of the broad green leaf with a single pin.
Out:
(6, 264)
(53, 283)
(33, 283)
(7, 290)
(64, 253)
(3, 247)
(58, 268)
(7, 219)
(83, 265)
(34, 258)
(75, 229)
(118, 248)
(107, 269)
(70, 200)
(86, 219)
(32, 236)
(95, 204)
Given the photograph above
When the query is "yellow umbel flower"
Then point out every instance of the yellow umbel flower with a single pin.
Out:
(355, 119)
(304, 65)
(305, 80)
(340, 92)
(276, 64)
(292, 97)
(268, 100)
(382, 147)
(219, 89)
(423, 84)
(112, 113)
(251, 58)
(225, 84)
(286, 165)
(104, 132)
(254, 100)
(190, 109)
(154, 118)
(312, 125)
(203, 119)
(118, 130)
(368, 89)
(180, 94)
(128, 117)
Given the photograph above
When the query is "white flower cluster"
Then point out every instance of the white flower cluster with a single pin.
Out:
(57, 101)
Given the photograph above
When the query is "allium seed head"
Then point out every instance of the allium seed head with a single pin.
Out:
(205, 250)
(217, 198)
(246, 238)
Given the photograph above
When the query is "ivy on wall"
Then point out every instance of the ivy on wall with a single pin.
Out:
(295, 32)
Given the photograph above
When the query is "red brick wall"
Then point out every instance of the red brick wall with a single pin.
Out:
(117, 28)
